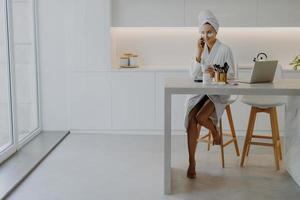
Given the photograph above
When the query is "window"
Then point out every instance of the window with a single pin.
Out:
(19, 89)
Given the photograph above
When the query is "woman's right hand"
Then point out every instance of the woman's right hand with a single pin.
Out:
(200, 45)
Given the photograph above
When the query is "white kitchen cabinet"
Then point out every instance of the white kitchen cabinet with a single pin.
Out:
(236, 13)
(180, 13)
(166, 13)
(90, 101)
(291, 74)
(277, 13)
(178, 102)
(133, 100)
(87, 35)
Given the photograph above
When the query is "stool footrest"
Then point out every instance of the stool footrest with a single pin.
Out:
(262, 136)
(228, 142)
(227, 134)
(203, 137)
(261, 144)
(206, 141)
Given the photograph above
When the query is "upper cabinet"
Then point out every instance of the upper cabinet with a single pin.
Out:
(147, 13)
(88, 45)
(181, 13)
(278, 13)
(230, 13)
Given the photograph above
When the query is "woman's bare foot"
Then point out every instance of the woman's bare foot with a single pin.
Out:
(191, 172)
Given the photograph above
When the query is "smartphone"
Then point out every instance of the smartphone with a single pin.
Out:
(202, 42)
(198, 80)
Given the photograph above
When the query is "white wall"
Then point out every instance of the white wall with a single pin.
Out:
(53, 66)
(176, 46)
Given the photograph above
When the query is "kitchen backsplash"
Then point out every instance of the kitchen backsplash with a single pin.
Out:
(176, 46)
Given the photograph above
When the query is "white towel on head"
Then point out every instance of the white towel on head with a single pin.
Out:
(207, 16)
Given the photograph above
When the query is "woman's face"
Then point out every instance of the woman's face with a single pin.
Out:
(208, 33)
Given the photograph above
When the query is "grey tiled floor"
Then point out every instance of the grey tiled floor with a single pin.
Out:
(93, 167)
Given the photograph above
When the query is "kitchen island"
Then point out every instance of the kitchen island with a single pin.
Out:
(284, 87)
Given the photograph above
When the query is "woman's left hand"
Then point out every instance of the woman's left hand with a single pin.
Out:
(211, 71)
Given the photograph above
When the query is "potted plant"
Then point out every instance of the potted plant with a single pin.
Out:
(296, 62)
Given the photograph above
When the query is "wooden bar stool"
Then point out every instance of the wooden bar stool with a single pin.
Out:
(263, 104)
(208, 137)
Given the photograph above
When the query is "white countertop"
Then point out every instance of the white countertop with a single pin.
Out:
(284, 87)
(180, 68)
(153, 68)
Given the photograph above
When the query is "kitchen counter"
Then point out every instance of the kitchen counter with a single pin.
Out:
(284, 87)
(152, 68)
(180, 68)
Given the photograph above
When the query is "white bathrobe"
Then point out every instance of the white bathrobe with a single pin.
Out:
(219, 54)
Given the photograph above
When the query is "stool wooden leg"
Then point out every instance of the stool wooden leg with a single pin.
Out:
(209, 139)
(222, 147)
(277, 131)
(230, 120)
(248, 148)
(275, 138)
(250, 128)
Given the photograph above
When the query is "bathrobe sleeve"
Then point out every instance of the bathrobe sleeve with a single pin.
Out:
(196, 69)
(230, 61)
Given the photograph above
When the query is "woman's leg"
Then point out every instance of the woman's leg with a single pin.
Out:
(203, 119)
(193, 131)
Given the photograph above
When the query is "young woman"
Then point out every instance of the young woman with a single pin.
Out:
(206, 110)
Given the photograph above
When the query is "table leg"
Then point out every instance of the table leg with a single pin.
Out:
(292, 137)
(167, 143)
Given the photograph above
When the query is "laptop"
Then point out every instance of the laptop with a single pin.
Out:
(262, 72)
